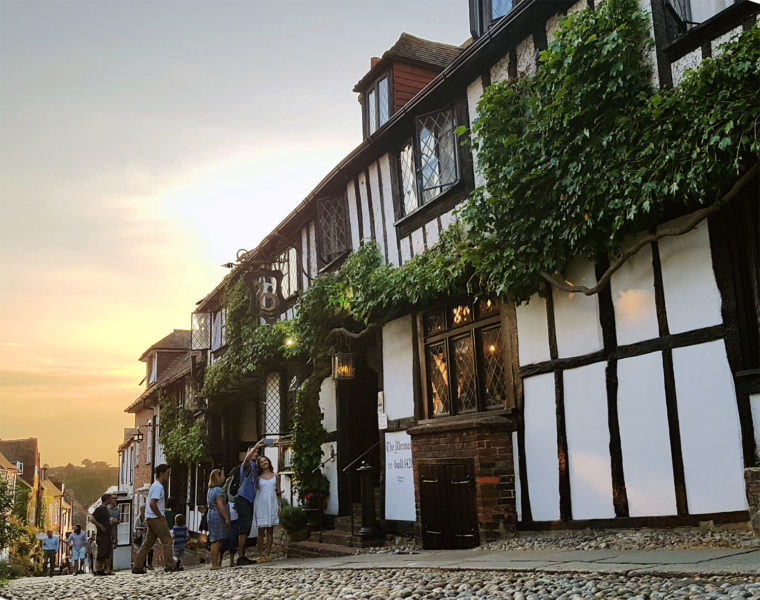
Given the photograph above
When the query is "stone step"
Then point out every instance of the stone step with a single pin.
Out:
(313, 549)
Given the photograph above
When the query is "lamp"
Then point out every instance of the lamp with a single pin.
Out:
(343, 365)
(138, 436)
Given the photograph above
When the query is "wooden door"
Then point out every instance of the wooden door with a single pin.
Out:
(447, 505)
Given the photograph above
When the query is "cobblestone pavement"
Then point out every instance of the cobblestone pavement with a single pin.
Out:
(243, 583)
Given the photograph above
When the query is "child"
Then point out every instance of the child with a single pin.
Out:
(179, 533)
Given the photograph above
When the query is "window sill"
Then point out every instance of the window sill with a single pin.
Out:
(432, 210)
(723, 22)
(335, 262)
(496, 418)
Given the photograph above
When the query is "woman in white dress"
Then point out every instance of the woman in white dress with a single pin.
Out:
(266, 506)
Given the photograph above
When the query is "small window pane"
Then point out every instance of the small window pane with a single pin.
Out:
(460, 315)
(438, 378)
(333, 228)
(487, 307)
(434, 322)
(383, 103)
(272, 404)
(492, 360)
(408, 179)
(499, 8)
(372, 111)
(464, 375)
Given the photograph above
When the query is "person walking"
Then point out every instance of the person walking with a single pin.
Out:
(156, 523)
(266, 507)
(101, 518)
(141, 530)
(246, 494)
(49, 550)
(92, 548)
(77, 541)
(179, 535)
(217, 516)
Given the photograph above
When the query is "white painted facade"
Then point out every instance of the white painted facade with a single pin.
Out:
(398, 375)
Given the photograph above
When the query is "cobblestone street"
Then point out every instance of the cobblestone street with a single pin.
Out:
(272, 583)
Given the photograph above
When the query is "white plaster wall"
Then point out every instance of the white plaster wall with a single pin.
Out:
(330, 471)
(552, 26)
(500, 69)
(365, 207)
(576, 316)
(692, 299)
(273, 454)
(588, 442)
(474, 92)
(516, 461)
(645, 6)
(398, 375)
(722, 39)
(541, 447)
(399, 482)
(447, 219)
(754, 404)
(327, 404)
(533, 331)
(526, 56)
(406, 252)
(377, 207)
(685, 63)
(313, 248)
(385, 170)
(710, 432)
(418, 242)
(645, 436)
(353, 215)
(632, 288)
(432, 234)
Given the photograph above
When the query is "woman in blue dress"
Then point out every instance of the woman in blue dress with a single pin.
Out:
(218, 518)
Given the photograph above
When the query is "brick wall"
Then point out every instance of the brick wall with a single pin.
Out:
(485, 441)
(143, 472)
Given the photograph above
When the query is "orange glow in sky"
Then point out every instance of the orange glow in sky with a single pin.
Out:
(143, 144)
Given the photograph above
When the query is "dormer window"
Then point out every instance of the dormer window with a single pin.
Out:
(428, 162)
(377, 104)
(484, 12)
(683, 15)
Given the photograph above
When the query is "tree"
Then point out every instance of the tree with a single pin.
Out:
(7, 498)
(86, 463)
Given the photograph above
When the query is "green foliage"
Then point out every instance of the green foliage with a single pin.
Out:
(308, 435)
(21, 501)
(24, 547)
(585, 152)
(182, 435)
(249, 344)
(7, 498)
(293, 518)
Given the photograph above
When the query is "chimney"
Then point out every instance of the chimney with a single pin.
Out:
(373, 61)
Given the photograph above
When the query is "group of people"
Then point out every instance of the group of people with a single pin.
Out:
(248, 499)
(249, 496)
(79, 554)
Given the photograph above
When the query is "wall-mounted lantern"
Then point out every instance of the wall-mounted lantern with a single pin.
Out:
(138, 436)
(343, 366)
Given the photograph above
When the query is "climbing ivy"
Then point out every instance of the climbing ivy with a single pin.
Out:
(586, 153)
(182, 435)
(308, 435)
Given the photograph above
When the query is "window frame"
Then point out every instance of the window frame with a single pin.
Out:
(374, 89)
(420, 190)
(324, 261)
(448, 336)
(481, 15)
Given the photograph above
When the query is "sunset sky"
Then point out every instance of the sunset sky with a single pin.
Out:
(141, 144)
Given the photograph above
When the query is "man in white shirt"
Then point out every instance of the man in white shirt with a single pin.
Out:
(156, 523)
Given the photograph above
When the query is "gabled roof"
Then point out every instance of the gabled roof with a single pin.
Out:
(179, 339)
(179, 367)
(7, 465)
(49, 487)
(410, 49)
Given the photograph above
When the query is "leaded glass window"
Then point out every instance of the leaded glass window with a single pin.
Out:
(464, 359)
(408, 178)
(333, 228)
(372, 111)
(200, 327)
(288, 266)
(272, 404)
(438, 155)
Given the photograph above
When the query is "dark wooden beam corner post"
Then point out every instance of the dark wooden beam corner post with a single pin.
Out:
(609, 335)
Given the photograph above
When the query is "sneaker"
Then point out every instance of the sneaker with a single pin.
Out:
(135, 571)
(243, 560)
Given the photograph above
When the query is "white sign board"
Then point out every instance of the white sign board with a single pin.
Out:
(399, 477)
(382, 421)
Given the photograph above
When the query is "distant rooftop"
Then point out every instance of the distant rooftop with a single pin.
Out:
(179, 339)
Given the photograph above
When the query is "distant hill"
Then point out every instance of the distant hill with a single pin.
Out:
(87, 482)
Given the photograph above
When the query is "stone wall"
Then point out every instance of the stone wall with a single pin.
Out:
(752, 481)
